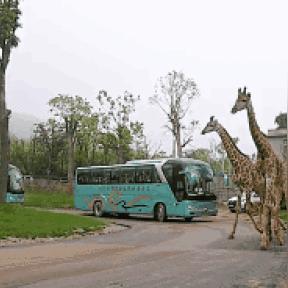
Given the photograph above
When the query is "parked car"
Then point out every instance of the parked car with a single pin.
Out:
(255, 199)
(28, 178)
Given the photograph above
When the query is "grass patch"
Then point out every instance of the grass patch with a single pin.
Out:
(22, 222)
(284, 215)
(47, 199)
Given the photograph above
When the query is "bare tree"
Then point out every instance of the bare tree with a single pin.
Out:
(174, 94)
(9, 22)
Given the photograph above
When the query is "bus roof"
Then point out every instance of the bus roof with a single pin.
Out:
(155, 162)
(164, 160)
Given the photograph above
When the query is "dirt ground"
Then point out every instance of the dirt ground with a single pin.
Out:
(139, 252)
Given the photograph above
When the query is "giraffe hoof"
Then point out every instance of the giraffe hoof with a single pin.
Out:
(280, 242)
(263, 247)
(230, 237)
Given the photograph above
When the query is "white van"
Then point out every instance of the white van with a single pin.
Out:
(255, 199)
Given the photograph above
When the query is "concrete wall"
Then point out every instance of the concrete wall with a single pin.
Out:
(222, 191)
(277, 137)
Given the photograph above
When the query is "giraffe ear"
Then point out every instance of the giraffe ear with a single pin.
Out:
(212, 118)
(249, 95)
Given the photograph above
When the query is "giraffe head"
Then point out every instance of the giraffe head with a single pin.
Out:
(211, 126)
(242, 101)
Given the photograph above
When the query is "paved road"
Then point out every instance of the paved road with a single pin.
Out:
(149, 254)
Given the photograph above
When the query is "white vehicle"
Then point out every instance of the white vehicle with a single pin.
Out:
(255, 199)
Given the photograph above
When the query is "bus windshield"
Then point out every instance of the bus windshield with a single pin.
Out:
(188, 177)
(197, 178)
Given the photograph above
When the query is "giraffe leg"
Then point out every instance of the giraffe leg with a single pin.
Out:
(270, 225)
(238, 205)
(264, 237)
(260, 212)
(259, 229)
(249, 213)
(282, 225)
(278, 231)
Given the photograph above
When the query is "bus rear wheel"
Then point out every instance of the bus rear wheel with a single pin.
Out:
(160, 213)
(98, 209)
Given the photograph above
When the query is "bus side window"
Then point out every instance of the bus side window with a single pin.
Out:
(84, 177)
(127, 176)
(140, 175)
(155, 176)
(79, 178)
(106, 177)
(168, 172)
(97, 176)
(147, 175)
(115, 176)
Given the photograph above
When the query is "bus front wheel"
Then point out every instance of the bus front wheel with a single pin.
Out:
(188, 219)
(98, 209)
(160, 212)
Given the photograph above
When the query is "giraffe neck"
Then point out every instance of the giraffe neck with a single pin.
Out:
(233, 153)
(258, 136)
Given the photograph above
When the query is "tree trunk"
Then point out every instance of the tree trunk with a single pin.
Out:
(286, 179)
(178, 142)
(4, 140)
(173, 146)
(70, 174)
(120, 155)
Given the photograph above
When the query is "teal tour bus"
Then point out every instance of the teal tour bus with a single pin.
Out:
(162, 188)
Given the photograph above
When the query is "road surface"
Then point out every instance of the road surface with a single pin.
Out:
(150, 254)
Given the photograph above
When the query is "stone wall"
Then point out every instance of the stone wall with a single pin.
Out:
(46, 185)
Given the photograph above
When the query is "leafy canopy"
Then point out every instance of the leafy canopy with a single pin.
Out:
(9, 22)
(71, 109)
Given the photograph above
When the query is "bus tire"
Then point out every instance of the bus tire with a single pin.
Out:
(98, 209)
(188, 219)
(123, 215)
(160, 212)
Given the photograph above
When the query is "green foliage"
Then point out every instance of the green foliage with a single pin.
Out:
(70, 109)
(216, 156)
(284, 215)
(115, 116)
(46, 199)
(9, 22)
(23, 222)
(281, 121)
(103, 137)
(200, 154)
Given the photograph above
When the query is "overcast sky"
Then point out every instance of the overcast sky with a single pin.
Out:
(81, 47)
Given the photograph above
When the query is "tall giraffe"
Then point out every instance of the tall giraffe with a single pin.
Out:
(271, 168)
(245, 174)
